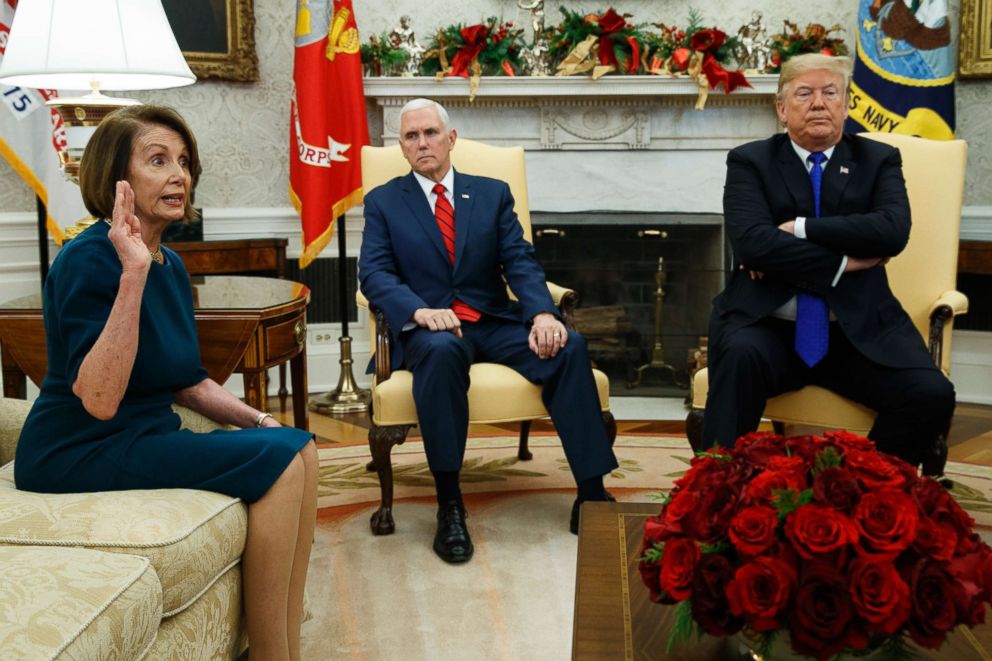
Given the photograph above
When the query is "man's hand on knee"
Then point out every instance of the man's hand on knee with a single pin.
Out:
(547, 335)
(443, 319)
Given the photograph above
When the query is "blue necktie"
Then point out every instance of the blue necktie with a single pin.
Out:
(812, 314)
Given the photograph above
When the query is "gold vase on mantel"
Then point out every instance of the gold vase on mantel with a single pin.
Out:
(81, 115)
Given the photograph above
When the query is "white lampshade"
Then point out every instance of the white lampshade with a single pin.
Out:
(93, 44)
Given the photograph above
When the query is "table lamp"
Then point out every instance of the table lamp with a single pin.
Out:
(96, 45)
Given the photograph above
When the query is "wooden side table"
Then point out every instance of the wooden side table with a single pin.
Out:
(245, 324)
(237, 257)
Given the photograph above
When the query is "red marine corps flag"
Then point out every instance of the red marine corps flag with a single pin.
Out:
(328, 125)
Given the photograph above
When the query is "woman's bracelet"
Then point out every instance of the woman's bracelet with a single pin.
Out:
(261, 418)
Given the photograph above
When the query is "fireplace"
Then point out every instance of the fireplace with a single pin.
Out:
(615, 262)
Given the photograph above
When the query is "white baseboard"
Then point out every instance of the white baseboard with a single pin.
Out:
(971, 366)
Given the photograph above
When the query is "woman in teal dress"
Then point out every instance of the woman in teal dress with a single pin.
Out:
(122, 349)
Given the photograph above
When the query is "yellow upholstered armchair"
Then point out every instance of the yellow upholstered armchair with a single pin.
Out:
(923, 277)
(497, 393)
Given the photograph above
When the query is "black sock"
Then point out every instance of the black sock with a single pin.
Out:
(591, 489)
(448, 487)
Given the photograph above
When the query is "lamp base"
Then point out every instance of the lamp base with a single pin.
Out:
(347, 397)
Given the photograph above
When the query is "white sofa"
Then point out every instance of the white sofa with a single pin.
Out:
(150, 574)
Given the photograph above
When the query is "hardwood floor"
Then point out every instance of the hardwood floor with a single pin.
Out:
(970, 439)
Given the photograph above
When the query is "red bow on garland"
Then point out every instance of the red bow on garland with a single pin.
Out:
(708, 42)
(611, 23)
(474, 37)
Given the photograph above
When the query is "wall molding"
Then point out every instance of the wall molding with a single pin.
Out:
(976, 223)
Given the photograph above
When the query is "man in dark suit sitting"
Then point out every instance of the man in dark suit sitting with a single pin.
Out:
(436, 247)
(813, 216)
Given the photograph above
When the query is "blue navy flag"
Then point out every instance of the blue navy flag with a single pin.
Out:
(904, 69)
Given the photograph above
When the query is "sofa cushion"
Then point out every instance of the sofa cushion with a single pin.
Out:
(13, 412)
(191, 537)
(76, 604)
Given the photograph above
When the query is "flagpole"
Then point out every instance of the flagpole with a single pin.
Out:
(42, 240)
(347, 397)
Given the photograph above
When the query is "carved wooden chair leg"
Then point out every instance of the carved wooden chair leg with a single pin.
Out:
(611, 427)
(524, 453)
(381, 442)
(694, 429)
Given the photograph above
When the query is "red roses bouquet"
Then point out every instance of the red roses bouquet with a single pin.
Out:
(845, 548)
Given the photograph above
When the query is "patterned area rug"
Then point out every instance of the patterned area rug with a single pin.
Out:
(649, 465)
(391, 598)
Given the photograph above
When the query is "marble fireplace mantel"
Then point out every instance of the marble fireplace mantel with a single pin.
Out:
(622, 144)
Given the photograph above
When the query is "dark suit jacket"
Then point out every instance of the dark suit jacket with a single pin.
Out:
(404, 265)
(864, 213)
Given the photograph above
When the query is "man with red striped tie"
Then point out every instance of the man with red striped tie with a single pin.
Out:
(436, 247)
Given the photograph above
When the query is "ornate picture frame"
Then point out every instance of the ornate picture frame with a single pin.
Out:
(217, 37)
(975, 47)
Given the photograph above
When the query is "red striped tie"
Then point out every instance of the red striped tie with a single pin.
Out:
(445, 217)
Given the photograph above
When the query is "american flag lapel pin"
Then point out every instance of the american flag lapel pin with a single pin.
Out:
(844, 170)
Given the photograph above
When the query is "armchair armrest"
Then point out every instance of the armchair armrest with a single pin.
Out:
(942, 311)
(382, 338)
(566, 300)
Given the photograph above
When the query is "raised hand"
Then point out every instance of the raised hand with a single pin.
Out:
(125, 231)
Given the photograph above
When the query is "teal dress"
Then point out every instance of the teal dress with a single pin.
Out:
(64, 449)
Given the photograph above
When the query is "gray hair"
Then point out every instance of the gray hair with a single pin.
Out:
(417, 104)
(800, 64)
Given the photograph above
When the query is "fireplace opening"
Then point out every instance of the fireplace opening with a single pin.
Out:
(620, 265)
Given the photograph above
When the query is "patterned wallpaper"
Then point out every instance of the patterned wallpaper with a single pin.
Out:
(243, 128)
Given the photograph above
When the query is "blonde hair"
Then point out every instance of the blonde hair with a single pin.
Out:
(108, 154)
(800, 64)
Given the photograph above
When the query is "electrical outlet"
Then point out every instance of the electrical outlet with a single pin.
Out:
(322, 337)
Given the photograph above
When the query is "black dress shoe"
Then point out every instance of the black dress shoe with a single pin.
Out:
(573, 522)
(452, 543)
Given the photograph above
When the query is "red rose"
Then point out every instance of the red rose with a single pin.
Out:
(759, 448)
(837, 488)
(707, 40)
(677, 565)
(820, 622)
(845, 439)
(807, 447)
(678, 511)
(709, 596)
(716, 508)
(752, 530)
(655, 531)
(972, 573)
(650, 572)
(815, 530)
(761, 490)
(886, 521)
(761, 590)
(793, 464)
(880, 595)
(935, 540)
(611, 21)
(934, 602)
(873, 471)
(934, 501)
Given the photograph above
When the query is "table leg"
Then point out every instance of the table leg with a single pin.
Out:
(255, 389)
(15, 382)
(283, 393)
(298, 370)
